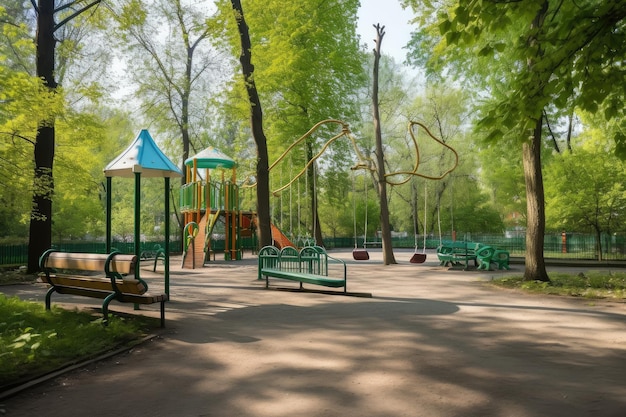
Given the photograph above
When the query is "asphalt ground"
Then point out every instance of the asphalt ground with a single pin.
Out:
(429, 342)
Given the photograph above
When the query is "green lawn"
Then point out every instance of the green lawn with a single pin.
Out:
(591, 284)
(34, 341)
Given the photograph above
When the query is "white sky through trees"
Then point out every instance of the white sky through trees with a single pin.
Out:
(390, 14)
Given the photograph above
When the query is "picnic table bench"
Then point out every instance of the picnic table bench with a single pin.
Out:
(106, 276)
(461, 252)
(309, 265)
(457, 252)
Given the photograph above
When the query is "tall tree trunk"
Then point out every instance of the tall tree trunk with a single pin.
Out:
(184, 132)
(311, 174)
(186, 93)
(256, 121)
(535, 210)
(40, 234)
(535, 269)
(385, 227)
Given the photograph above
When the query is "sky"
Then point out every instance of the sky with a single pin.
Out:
(390, 14)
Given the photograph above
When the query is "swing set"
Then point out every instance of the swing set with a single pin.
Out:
(368, 164)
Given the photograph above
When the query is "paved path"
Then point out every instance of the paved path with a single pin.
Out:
(431, 342)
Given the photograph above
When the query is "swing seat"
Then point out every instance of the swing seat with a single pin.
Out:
(360, 255)
(418, 258)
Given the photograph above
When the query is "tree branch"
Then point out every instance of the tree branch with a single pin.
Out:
(73, 15)
(14, 135)
(554, 142)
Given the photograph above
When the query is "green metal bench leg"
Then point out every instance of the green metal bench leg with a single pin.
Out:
(105, 308)
(48, 295)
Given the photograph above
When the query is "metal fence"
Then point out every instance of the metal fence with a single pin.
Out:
(556, 246)
(11, 255)
(576, 246)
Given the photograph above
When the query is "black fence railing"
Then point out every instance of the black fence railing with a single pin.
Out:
(11, 255)
(576, 246)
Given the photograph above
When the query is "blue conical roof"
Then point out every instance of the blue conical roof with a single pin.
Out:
(143, 155)
(211, 158)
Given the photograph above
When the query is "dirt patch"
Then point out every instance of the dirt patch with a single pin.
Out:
(16, 275)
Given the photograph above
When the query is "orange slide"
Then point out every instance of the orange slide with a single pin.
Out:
(280, 240)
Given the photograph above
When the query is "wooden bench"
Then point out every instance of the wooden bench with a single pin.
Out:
(309, 265)
(105, 276)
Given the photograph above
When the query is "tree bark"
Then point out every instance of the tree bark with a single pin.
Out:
(316, 230)
(535, 269)
(256, 120)
(40, 233)
(598, 243)
(388, 257)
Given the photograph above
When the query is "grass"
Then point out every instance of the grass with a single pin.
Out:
(591, 284)
(34, 341)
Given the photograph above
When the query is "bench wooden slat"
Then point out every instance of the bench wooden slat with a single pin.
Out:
(123, 264)
(131, 286)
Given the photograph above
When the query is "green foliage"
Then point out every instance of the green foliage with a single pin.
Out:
(503, 176)
(22, 95)
(34, 341)
(306, 64)
(590, 284)
(307, 67)
(528, 55)
(175, 75)
(584, 188)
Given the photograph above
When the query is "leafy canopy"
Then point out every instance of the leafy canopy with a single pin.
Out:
(528, 54)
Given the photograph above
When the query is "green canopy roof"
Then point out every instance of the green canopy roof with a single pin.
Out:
(211, 158)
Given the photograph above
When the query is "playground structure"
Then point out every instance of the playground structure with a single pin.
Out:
(211, 207)
(210, 197)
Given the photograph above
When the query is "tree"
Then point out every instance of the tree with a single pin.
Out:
(172, 73)
(19, 98)
(256, 122)
(586, 189)
(529, 56)
(40, 232)
(381, 179)
(307, 67)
